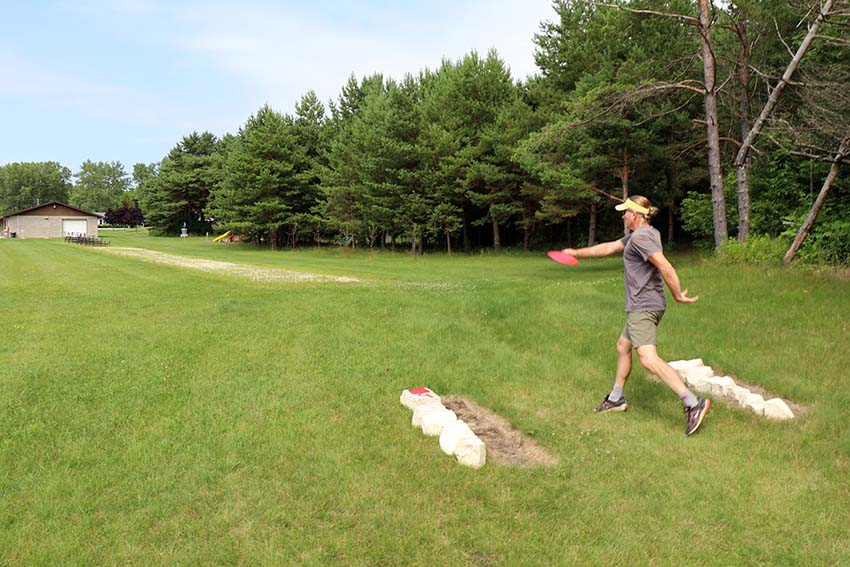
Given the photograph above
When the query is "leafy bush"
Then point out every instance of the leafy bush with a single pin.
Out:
(758, 249)
(828, 242)
(698, 214)
(780, 191)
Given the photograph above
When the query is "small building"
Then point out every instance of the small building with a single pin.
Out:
(50, 220)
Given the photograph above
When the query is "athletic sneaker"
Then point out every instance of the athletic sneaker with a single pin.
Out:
(696, 414)
(608, 405)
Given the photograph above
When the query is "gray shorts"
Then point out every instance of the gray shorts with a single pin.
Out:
(641, 326)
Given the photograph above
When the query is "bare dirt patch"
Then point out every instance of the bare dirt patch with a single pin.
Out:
(247, 271)
(505, 444)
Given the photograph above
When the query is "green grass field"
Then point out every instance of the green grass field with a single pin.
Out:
(153, 415)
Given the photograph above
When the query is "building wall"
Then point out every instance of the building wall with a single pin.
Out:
(45, 225)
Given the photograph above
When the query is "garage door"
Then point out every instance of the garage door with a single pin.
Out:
(73, 227)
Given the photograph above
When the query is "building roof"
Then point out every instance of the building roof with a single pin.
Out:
(43, 205)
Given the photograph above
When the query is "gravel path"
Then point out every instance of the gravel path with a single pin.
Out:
(247, 271)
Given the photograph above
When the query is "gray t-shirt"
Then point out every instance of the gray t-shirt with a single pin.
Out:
(643, 281)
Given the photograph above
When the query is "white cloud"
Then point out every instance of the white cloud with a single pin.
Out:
(127, 78)
(284, 52)
(99, 100)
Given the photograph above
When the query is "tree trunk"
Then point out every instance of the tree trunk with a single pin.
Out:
(818, 204)
(670, 220)
(591, 224)
(448, 243)
(743, 152)
(569, 232)
(715, 174)
(671, 233)
(527, 227)
(742, 172)
(625, 174)
(413, 241)
(467, 245)
(624, 177)
(497, 245)
(273, 237)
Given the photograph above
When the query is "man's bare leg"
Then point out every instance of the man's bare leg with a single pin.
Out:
(650, 360)
(624, 362)
(614, 401)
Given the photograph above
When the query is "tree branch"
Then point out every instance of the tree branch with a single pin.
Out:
(668, 86)
(609, 195)
(813, 157)
(789, 72)
(678, 108)
(680, 17)
(781, 39)
(832, 40)
(767, 77)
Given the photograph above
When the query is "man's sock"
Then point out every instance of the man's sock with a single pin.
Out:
(688, 398)
(616, 394)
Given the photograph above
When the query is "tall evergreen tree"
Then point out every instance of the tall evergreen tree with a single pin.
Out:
(461, 102)
(178, 194)
(265, 189)
(343, 185)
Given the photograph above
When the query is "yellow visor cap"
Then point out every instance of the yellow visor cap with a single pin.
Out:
(629, 204)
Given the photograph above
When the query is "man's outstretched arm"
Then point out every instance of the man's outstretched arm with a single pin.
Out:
(596, 251)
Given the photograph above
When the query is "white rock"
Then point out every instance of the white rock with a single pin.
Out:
(418, 396)
(421, 411)
(433, 423)
(754, 402)
(738, 393)
(682, 364)
(757, 408)
(699, 383)
(721, 385)
(696, 373)
(471, 452)
(728, 388)
(452, 434)
(776, 408)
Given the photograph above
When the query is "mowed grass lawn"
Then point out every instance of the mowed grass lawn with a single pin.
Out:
(153, 415)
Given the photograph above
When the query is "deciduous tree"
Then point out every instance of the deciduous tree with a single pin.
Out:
(23, 185)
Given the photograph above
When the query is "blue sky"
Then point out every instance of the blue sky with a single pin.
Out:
(125, 80)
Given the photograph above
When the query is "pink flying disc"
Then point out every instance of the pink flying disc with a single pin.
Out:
(561, 258)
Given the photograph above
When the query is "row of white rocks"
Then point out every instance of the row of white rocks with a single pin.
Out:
(456, 438)
(702, 379)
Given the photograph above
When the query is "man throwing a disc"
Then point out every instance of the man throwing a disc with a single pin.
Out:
(646, 270)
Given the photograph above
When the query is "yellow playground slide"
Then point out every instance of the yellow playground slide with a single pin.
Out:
(222, 237)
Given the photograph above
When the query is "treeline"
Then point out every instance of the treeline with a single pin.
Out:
(678, 100)
(96, 187)
(429, 157)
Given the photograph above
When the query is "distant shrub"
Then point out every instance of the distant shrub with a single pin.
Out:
(758, 249)
(697, 214)
(827, 243)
